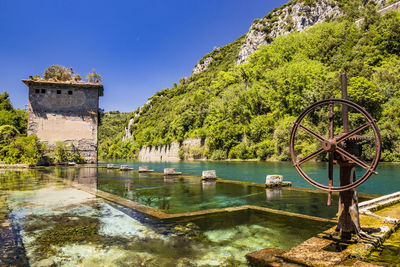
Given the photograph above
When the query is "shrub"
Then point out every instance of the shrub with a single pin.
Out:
(218, 154)
(58, 73)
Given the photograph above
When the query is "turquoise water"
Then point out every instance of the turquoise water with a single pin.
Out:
(58, 225)
(387, 181)
(187, 194)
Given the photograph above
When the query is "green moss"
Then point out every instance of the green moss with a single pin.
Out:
(60, 230)
(388, 252)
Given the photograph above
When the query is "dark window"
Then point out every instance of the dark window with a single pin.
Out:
(37, 91)
(70, 92)
(43, 91)
(58, 92)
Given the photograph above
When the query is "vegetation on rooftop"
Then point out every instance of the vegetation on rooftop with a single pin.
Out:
(60, 73)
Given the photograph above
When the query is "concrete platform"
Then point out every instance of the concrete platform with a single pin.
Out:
(379, 218)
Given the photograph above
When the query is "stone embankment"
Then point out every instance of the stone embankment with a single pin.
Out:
(192, 148)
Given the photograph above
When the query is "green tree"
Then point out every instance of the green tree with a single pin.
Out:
(94, 77)
(58, 73)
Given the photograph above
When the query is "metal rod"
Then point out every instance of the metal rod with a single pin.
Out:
(317, 136)
(330, 155)
(345, 112)
(312, 155)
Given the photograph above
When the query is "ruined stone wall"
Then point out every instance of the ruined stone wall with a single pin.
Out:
(66, 113)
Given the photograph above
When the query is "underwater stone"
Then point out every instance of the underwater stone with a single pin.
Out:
(45, 262)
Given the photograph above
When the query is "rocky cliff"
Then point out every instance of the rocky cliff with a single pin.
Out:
(191, 148)
(294, 16)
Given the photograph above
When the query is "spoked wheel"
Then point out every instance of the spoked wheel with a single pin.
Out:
(334, 145)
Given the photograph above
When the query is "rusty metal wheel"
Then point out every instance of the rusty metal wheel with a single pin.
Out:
(334, 144)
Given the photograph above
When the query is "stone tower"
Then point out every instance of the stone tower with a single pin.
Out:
(65, 111)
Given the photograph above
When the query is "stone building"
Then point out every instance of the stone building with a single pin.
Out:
(65, 111)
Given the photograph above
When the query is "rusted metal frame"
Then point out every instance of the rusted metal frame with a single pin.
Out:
(317, 136)
(356, 160)
(330, 154)
(353, 132)
(345, 112)
(312, 155)
(377, 144)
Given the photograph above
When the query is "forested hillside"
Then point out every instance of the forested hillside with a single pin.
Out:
(111, 131)
(246, 111)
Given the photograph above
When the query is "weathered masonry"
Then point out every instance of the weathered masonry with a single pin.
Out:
(65, 111)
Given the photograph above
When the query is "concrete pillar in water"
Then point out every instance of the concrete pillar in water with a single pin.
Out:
(209, 175)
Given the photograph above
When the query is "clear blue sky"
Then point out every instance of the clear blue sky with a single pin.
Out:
(139, 47)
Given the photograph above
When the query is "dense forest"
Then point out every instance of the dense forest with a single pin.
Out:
(111, 132)
(246, 111)
(15, 146)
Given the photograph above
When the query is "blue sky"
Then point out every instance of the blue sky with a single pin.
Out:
(139, 47)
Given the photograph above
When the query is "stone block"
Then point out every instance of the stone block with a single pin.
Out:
(169, 170)
(274, 179)
(143, 168)
(111, 166)
(208, 175)
(267, 257)
(125, 168)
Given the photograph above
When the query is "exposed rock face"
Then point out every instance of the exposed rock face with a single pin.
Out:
(128, 133)
(160, 153)
(170, 152)
(205, 62)
(293, 17)
(146, 106)
(202, 65)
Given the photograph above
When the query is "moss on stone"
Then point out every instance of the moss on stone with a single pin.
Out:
(391, 211)
(64, 230)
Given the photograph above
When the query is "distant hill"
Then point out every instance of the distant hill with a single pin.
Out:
(243, 97)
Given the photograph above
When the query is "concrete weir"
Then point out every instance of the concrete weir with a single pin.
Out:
(379, 218)
(154, 212)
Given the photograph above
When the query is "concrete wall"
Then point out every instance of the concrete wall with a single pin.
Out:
(171, 152)
(65, 113)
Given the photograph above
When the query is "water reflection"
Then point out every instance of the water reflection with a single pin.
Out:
(273, 193)
(186, 194)
(62, 225)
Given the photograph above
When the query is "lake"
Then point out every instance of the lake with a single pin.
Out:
(387, 181)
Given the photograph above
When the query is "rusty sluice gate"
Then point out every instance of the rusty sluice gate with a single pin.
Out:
(343, 149)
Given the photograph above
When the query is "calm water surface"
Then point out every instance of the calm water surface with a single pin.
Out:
(186, 194)
(56, 224)
(386, 182)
